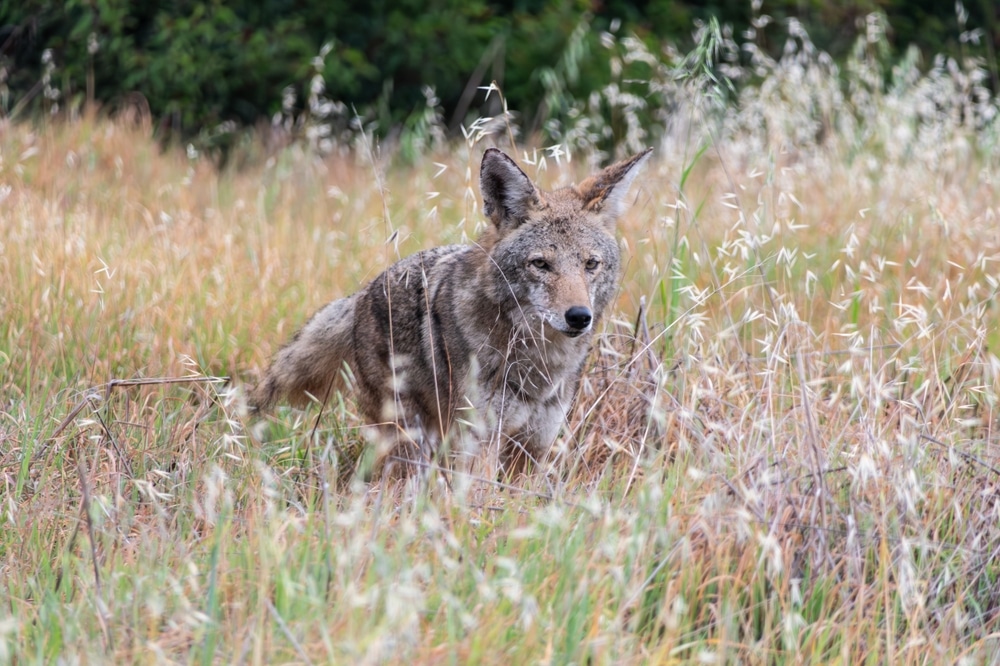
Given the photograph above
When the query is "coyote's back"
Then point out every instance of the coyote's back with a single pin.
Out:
(504, 324)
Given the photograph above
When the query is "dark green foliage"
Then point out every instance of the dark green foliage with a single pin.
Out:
(198, 64)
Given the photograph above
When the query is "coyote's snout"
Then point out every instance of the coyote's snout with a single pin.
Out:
(504, 324)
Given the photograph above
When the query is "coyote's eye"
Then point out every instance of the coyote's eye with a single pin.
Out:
(540, 264)
(592, 264)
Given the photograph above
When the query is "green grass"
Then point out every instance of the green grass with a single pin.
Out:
(784, 450)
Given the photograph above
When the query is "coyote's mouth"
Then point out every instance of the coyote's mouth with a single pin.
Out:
(549, 322)
(551, 332)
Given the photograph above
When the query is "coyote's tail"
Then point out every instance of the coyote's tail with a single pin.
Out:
(310, 366)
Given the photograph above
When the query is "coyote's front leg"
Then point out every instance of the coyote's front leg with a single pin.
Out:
(529, 444)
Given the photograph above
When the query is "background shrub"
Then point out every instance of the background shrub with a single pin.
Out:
(207, 67)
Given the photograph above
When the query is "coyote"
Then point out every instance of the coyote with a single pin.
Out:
(503, 325)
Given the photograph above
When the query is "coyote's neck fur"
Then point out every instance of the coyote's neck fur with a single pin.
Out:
(503, 325)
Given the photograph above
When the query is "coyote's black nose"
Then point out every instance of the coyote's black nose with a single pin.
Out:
(578, 318)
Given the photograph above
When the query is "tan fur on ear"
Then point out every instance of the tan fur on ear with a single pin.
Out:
(606, 190)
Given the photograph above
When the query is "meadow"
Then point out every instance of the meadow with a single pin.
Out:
(785, 448)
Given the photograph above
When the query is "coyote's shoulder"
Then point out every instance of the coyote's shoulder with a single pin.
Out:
(503, 324)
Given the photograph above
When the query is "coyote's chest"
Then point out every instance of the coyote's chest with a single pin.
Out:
(536, 370)
(523, 380)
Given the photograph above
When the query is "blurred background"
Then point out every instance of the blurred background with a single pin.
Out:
(205, 71)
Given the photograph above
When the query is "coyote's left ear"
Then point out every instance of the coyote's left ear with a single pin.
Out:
(605, 192)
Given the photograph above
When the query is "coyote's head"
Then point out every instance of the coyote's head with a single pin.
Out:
(554, 253)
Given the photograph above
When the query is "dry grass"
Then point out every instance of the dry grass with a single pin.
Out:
(785, 448)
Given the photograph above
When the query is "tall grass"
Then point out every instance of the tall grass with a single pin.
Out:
(785, 447)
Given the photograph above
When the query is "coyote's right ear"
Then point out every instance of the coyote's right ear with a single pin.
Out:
(508, 193)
